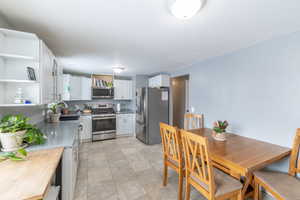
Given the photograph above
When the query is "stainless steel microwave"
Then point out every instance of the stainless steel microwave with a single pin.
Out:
(103, 93)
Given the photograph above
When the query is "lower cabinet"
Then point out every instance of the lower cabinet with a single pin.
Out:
(86, 130)
(125, 124)
(70, 164)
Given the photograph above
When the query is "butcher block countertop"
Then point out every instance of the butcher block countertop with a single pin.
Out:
(29, 179)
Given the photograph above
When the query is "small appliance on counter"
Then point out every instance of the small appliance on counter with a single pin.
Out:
(103, 122)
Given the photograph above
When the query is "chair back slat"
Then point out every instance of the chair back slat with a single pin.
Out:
(193, 121)
(197, 160)
(294, 160)
(171, 142)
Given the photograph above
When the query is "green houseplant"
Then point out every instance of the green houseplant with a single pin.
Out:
(15, 130)
(54, 109)
(219, 130)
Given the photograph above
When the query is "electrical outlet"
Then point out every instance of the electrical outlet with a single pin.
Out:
(192, 109)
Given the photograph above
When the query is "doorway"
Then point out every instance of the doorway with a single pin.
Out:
(180, 99)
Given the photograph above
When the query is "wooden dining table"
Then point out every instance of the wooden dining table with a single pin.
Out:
(239, 156)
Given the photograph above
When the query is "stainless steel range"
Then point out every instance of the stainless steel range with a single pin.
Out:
(103, 122)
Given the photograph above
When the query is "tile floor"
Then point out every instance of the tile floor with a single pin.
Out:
(124, 169)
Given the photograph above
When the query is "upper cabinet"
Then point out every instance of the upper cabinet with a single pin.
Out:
(86, 88)
(26, 70)
(123, 89)
(48, 65)
(76, 87)
(158, 81)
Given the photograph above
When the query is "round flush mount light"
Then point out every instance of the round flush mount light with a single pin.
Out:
(118, 69)
(185, 9)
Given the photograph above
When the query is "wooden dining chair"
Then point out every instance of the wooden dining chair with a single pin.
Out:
(283, 186)
(209, 181)
(193, 121)
(172, 154)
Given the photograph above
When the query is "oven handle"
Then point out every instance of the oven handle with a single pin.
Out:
(103, 132)
(100, 118)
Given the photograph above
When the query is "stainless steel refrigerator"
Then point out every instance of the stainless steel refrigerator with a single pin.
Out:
(152, 108)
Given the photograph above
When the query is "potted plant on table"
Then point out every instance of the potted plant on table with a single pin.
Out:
(219, 130)
(55, 111)
(16, 132)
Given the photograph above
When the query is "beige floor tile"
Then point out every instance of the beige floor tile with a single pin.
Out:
(124, 169)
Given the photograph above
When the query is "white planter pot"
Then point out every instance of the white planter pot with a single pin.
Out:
(219, 136)
(12, 141)
(54, 118)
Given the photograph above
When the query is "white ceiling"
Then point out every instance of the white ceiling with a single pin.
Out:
(92, 35)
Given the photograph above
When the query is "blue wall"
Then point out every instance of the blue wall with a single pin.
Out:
(256, 89)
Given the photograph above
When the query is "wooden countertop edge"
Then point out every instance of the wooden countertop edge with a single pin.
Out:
(59, 152)
(53, 172)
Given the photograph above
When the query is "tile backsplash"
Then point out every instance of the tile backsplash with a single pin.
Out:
(124, 104)
(36, 114)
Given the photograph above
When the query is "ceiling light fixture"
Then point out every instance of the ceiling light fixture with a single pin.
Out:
(185, 9)
(118, 69)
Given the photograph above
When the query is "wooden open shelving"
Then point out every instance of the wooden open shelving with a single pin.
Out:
(106, 78)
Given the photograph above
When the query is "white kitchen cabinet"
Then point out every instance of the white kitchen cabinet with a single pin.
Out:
(125, 124)
(66, 87)
(47, 74)
(123, 89)
(18, 51)
(58, 82)
(70, 162)
(76, 87)
(86, 131)
(158, 81)
(86, 88)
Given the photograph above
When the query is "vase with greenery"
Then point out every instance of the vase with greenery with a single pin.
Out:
(219, 130)
(15, 131)
(55, 109)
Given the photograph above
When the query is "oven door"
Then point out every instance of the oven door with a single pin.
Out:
(102, 93)
(103, 125)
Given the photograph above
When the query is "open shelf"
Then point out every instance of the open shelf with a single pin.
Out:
(18, 105)
(16, 56)
(17, 81)
(100, 81)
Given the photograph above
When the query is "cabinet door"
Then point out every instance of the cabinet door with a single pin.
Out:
(118, 89)
(75, 88)
(60, 85)
(66, 87)
(119, 124)
(129, 90)
(86, 133)
(86, 88)
(125, 124)
(130, 124)
(46, 72)
(123, 89)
